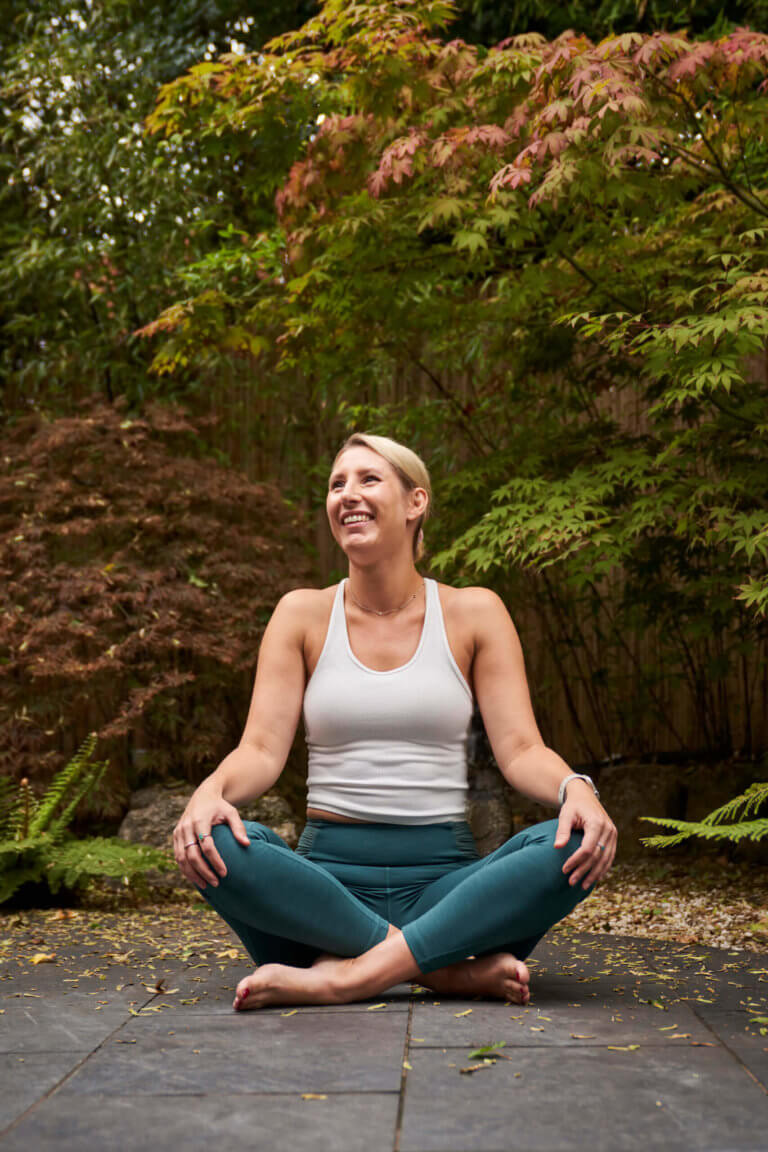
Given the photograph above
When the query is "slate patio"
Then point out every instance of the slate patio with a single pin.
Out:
(626, 1044)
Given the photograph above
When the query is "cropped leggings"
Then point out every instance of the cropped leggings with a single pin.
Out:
(346, 883)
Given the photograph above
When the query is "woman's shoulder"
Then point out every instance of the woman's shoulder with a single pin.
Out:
(305, 605)
(473, 598)
(472, 612)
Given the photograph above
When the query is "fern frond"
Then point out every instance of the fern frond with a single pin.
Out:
(86, 786)
(749, 800)
(67, 779)
(22, 810)
(8, 793)
(711, 826)
(10, 882)
(663, 841)
(77, 861)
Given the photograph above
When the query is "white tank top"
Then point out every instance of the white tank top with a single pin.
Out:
(388, 746)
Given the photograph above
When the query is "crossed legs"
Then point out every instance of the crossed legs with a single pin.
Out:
(328, 947)
(332, 980)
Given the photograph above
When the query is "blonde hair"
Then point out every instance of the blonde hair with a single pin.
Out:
(410, 468)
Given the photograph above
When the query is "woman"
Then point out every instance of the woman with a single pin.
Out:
(386, 883)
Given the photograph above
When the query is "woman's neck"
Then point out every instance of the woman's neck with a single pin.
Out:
(382, 588)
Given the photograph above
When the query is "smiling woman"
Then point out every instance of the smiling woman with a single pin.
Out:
(407, 466)
(386, 883)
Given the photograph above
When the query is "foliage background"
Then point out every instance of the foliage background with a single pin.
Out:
(137, 576)
(541, 262)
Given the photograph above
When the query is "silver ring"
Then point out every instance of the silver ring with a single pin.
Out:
(192, 844)
(204, 835)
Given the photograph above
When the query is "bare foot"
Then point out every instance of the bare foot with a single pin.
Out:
(330, 979)
(282, 984)
(501, 976)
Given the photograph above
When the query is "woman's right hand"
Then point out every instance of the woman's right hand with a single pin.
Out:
(205, 808)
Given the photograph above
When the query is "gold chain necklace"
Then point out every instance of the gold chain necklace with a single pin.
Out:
(387, 611)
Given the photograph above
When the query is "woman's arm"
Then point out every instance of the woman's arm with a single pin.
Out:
(523, 758)
(252, 768)
(502, 694)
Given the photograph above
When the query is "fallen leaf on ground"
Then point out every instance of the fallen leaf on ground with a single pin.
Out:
(486, 1049)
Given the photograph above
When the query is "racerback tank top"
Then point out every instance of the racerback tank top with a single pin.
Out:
(388, 746)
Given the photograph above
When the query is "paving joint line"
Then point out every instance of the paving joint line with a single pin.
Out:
(54, 1088)
(404, 1075)
(731, 1053)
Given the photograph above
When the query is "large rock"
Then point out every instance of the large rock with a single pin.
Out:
(628, 790)
(488, 811)
(155, 811)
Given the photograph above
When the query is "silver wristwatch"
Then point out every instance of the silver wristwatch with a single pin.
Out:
(575, 776)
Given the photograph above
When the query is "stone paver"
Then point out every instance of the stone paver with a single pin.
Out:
(626, 1044)
(542, 1100)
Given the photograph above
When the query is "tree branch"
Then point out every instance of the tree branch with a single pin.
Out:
(746, 197)
(447, 394)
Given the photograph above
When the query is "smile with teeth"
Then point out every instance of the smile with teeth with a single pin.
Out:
(356, 518)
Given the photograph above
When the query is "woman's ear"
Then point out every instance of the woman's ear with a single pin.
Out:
(419, 502)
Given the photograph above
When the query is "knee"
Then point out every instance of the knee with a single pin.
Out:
(572, 844)
(228, 846)
(224, 839)
(545, 833)
(564, 852)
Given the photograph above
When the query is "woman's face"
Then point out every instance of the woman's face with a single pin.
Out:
(367, 504)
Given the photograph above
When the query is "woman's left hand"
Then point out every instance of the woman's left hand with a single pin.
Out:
(582, 809)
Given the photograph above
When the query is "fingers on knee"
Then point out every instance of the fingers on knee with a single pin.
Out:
(573, 843)
(224, 841)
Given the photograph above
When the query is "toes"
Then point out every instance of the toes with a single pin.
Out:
(240, 997)
(523, 975)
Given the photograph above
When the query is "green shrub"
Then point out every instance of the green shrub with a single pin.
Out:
(35, 844)
(712, 826)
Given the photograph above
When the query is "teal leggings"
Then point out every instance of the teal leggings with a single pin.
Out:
(346, 883)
